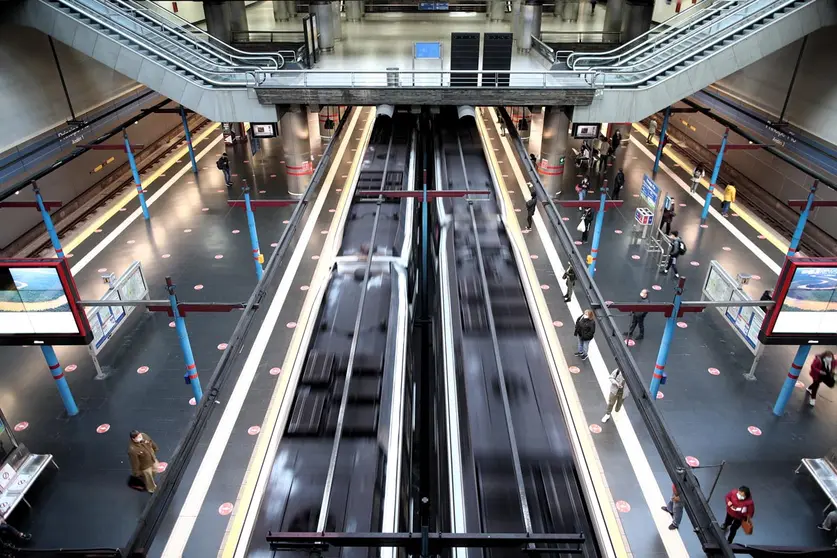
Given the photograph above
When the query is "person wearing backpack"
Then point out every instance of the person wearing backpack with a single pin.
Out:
(223, 164)
(678, 248)
(585, 330)
(652, 131)
(531, 206)
(821, 372)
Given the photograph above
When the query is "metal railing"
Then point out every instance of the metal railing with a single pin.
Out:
(576, 37)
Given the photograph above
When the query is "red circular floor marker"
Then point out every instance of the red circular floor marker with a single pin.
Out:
(102, 428)
(274, 244)
(142, 370)
(304, 288)
(608, 302)
(332, 210)
(187, 230)
(338, 190)
(595, 429)
(682, 325)
(171, 324)
(754, 430)
(565, 218)
(799, 384)
(131, 242)
(761, 237)
(525, 231)
(578, 243)
(192, 402)
(204, 209)
(657, 287)
(101, 270)
(98, 231)
(272, 176)
(123, 209)
(220, 191)
(635, 195)
(68, 256)
(324, 231)
(263, 191)
(734, 214)
(21, 426)
(235, 231)
(70, 368)
(534, 256)
(660, 395)
(726, 248)
(166, 256)
(618, 231)
(162, 466)
(517, 210)
(219, 256)
(635, 257)
(225, 509)
(755, 277)
(558, 323)
(545, 287)
(630, 342)
(704, 226)
(622, 506)
(222, 346)
(315, 257)
(253, 430)
(198, 287)
(290, 325)
(682, 205)
(694, 263)
(574, 369)
(275, 371)
(692, 461)
(714, 371)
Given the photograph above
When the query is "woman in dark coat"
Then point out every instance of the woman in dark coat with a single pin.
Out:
(585, 330)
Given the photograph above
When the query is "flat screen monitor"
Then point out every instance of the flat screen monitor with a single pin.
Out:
(263, 130)
(586, 131)
(38, 304)
(806, 304)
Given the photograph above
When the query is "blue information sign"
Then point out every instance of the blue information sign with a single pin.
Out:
(429, 50)
(433, 6)
(649, 192)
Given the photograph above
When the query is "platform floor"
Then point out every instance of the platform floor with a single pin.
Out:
(710, 416)
(203, 244)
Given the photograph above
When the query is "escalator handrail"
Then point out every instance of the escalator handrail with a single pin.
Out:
(745, 23)
(735, 22)
(697, 12)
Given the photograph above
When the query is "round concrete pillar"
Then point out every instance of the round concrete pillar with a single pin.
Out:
(613, 16)
(337, 21)
(636, 18)
(293, 124)
(552, 162)
(571, 8)
(217, 14)
(238, 16)
(496, 10)
(530, 25)
(325, 27)
(329, 118)
(280, 11)
(558, 8)
(291, 8)
(354, 10)
(517, 17)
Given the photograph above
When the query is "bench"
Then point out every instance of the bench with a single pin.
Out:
(824, 472)
(17, 475)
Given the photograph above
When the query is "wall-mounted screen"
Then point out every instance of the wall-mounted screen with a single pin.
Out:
(263, 130)
(806, 304)
(38, 304)
(586, 131)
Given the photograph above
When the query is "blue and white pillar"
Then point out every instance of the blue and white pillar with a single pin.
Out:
(191, 375)
(189, 138)
(53, 235)
(662, 355)
(707, 203)
(254, 237)
(662, 143)
(597, 231)
(60, 380)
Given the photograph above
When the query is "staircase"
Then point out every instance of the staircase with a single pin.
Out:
(163, 52)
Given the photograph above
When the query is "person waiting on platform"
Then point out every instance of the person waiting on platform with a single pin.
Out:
(604, 154)
(569, 277)
(534, 160)
(586, 222)
(618, 184)
(829, 523)
(822, 372)
(740, 509)
(652, 131)
(678, 248)
(674, 508)
(618, 392)
(585, 330)
(638, 318)
(223, 164)
(142, 452)
(696, 176)
(666, 219)
(581, 189)
(531, 206)
(615, 142)
(729, 199)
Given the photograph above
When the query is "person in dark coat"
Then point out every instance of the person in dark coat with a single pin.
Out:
(618, 184)
(823, 365)
(585, 330)
(638, 318)
(674, 253)
(142, 452)
(766, 295)
(531, 206)
(587, 219)
(223, 164)
(740, 507)
(666, 219)
(569, 276)
(615, 142)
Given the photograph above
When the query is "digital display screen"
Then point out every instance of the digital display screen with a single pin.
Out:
(586, 131)
(38, 304)
(806, 303)
(267, 130)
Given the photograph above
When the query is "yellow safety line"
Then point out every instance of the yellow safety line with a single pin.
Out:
(105, 217)
(591, 456)
(278, 407)
(719, 193)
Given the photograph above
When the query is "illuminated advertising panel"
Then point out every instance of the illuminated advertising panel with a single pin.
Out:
(806, 304)
(38, 304)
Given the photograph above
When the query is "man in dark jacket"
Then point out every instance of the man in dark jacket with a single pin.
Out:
(638, 318)
(569, 276)
(618, 183)
(677, 249)
(531, 206)
(142, 452)
(615, 142)
(667, 218)
(223, 164)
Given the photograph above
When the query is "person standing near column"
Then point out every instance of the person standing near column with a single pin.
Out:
(729, 198)
(822, 372)
(652, 130)
(617, 394)
(142, 452)
(696, 176)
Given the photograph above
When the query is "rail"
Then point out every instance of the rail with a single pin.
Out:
(544, 49)
(577, 37)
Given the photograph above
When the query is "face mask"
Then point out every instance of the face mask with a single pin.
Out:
(827, 362)
(643, 296)
(740, 496)
(138, 439)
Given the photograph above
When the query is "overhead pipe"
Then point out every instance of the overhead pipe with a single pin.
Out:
(466, 110)
(384, 110)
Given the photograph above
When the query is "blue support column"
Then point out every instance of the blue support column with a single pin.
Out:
(803, 219)
(790, 381)
(597, 231)
(135, 172)
(707, 203)
(189, 140)
(60, 380)
(254, 237)
(662, 143)
(191, 375)
(668, 334)
(53, 235)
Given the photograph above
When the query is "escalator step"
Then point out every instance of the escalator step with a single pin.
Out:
(360, 420)
(308, 412)
(318, 368)
(361, 390)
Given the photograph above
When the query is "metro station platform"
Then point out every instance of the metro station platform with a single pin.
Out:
(710, 416)
(197, 239)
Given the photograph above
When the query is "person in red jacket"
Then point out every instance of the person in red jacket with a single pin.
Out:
(822, 365)
(740, 506)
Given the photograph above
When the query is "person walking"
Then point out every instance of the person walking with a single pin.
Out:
(604, 154)
(223, 164)
(652, 131)
(740, 509)
(666, 219)
(581, 189)
(678, 248)
(618, 184)
(586, 223)
(821, 372)
(729, 198)
(531, 206)
(615, 142)
(593, 4)
(674, 507)
(585, 330)
(142, 452)
(696, 176)
(569, 277)
(638, 318)
(618, 392)
(534, 160)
